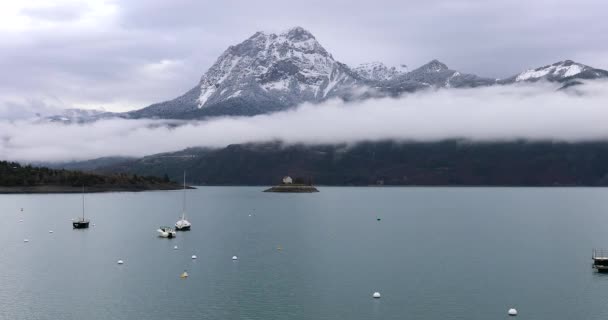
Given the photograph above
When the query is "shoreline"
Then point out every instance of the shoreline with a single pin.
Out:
(292, 189)
(52, 189)
(103, 189)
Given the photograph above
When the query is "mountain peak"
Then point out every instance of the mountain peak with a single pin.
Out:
(298, 34)
(286, 68)
(433, 66)
(296, 39)
(559, 70)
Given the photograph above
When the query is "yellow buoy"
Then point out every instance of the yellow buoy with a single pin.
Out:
(184, 275)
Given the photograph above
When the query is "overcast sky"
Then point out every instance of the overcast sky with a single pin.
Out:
(122, 55)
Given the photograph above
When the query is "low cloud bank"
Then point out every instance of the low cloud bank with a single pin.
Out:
(501, 113)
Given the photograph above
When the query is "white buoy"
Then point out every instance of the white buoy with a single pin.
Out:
(120, 262)
(250, 215)
(50, 231)
(235, 258)
(20, 220)
(376, 295)
(175, 248)
(26, 240)
(513, 312)
(193, 256)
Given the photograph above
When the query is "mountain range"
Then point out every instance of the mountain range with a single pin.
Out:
(272, 72)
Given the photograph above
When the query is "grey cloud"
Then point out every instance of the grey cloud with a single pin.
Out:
(56, 12)
(22, 109)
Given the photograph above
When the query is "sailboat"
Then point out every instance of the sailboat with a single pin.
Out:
(183, 224)
(81, 222)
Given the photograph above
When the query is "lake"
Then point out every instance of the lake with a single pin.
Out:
(436, 253)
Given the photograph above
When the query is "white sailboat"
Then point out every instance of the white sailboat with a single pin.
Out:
(183, 224)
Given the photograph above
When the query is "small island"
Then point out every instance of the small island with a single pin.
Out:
(288, 185)
(15, 178)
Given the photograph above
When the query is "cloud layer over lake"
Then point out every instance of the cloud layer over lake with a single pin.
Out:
(533, 112)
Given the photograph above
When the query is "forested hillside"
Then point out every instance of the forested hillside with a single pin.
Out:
(15, 177)
(452, 162)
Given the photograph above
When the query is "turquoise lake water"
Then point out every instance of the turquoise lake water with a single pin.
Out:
(436, 253)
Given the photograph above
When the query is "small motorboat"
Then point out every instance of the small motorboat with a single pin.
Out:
(166, 232)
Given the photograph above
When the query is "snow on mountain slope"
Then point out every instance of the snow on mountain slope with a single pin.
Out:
(377, 71)
(433, 74)
(562, 71)
(292, 66)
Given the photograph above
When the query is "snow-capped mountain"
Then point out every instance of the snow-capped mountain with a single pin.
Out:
(271, 72)
(266, 72)
(377, 71)
(434, 74)
(560, 71)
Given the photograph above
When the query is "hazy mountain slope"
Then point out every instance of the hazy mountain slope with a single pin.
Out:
(390, 163)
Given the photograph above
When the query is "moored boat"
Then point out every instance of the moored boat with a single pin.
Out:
(81, 222)
(166, 232)
(183, 224)
(600, 260)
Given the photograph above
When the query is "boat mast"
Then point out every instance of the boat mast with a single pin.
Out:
(184, 199)
(83, 202)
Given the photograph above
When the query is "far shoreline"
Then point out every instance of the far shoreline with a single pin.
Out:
(411, 185)
(97, 189)
(57, 189)
(292, 188)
